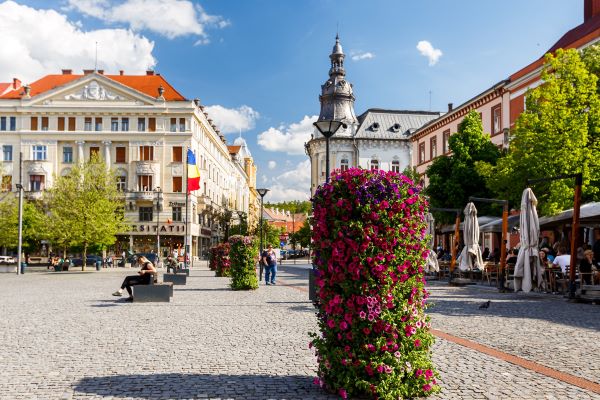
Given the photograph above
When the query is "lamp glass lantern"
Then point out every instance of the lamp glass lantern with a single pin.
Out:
(328, 128)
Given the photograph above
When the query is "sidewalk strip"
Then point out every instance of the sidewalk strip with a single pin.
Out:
(521, 362)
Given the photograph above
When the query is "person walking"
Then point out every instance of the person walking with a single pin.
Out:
(143, 278)
(269, 260)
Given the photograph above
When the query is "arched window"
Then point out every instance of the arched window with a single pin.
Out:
(396, 166)
(374, 164)
(344, 164)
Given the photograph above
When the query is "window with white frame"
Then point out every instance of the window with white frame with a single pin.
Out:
(7, 152)
(177, 214)
(67, 155)
(121, 183)
(374, 164)
(39, 152)
(344, 164)
(396, 166)
(36, 182)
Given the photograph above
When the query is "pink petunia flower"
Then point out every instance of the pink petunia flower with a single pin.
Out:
(343, 393)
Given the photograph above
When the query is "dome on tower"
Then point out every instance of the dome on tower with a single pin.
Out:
(337, 48)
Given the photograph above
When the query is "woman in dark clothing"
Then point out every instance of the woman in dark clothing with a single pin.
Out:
(143, 278)
(585, 267)
(486, 254)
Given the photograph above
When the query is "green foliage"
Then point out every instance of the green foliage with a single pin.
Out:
(35, 223)
(295, 206)
(411, 172)
(452, 179)
(243, 256)
(270, 234)
(85, 207)
(302, 236)
(557, 134)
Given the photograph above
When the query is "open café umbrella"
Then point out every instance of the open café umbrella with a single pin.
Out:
(432, 261)
(527, 268)
(470, 257)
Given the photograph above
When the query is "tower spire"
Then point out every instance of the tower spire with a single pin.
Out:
(337, 98)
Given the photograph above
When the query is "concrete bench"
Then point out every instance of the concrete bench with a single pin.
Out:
(176, 279)
(153, 292)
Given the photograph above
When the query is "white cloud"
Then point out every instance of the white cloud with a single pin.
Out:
(233, 120)
(362, 56)
(289, 139)
(426, 49)
(292, 185)
(272, 164)
(31, 49)
(170, 18)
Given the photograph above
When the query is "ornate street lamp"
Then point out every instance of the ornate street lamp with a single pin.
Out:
(328, 128)
(262, 193)
(158, 191)
(240, 216)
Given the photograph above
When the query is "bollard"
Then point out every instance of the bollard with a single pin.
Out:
(98, 265)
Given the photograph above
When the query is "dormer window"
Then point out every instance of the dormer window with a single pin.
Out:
(375, 126)
(396, 127)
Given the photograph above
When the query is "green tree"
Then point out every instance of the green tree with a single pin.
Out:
(452, 179)
(302, 236)
(411, 172)
(270, 234)
(34, 224)
(295, 206)
(557, 134)
(86, 208)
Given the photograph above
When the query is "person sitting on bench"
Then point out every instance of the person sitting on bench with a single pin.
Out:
(143, 278)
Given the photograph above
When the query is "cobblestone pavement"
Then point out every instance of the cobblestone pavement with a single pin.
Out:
(62, 336)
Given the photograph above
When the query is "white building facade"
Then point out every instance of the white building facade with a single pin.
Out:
(377, 139)
(141, 127)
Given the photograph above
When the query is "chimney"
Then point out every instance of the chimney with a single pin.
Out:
(149, 72)
(450, 107)
(121, 72)
(16, 83)
(87, 71)
(591, 8)
(67, 71)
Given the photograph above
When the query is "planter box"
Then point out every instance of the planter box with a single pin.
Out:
(8, 268)
(176, 279)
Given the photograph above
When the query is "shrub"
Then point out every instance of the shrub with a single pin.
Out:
(370, 250)
(222, 264)
(212, 261)
(244, 256)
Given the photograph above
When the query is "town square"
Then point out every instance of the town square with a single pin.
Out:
(299, 200)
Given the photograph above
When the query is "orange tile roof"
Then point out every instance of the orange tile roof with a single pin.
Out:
(234, 149)
(4, 86)
(147, 84)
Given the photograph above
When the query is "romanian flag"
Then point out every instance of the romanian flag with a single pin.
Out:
(193, 173)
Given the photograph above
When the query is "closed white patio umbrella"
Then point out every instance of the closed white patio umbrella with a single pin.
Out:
(470, 257)
(528, 271)
(432, 261)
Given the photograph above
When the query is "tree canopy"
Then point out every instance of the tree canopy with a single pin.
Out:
(34, 223)
(558, 133)
(85, 207)
(295, 206)
(452, 179)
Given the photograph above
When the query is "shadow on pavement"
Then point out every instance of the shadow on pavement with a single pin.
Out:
(177, 386)
(463, 302)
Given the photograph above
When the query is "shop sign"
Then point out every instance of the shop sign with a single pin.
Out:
(151, 229)
(176, 204)
(205, 232)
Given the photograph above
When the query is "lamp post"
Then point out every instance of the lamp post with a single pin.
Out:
(328, 128)
(20, 188)
(262, 193)
(240, 216)
(158, 191)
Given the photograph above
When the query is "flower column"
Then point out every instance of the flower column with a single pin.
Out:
(370, 250)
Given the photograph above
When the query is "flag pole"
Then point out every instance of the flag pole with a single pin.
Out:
(187, 195)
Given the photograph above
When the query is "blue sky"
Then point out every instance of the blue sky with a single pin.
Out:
(259, 64)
